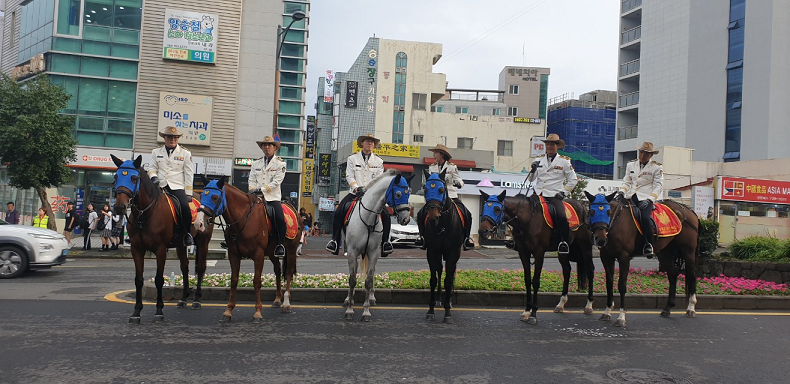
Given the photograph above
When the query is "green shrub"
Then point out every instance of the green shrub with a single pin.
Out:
(708, 237)
(760, 248)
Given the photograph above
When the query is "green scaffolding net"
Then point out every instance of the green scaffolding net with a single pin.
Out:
(585, 158)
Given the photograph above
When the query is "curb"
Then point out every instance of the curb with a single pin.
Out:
(481, 298)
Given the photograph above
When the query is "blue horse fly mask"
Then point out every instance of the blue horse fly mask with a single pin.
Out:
(493, 208)
(599, 210)
(127, 176)
(213, 200)
(435, 189)
(398, 194)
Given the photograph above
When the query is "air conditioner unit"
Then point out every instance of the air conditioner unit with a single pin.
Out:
(473, 117)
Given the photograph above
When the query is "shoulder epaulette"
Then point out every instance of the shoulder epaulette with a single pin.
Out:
(632, 160)
(565, 157)
(183, 147)
(655, 162)
(539, 156)
(280, 158)
(450, 163)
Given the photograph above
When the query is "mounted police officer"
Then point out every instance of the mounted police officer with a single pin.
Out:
(172, 168)
(453, 183)
(361, 168)
(554, 179)
(645, 180)
(266, 177)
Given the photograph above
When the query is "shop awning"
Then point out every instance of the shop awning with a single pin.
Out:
(401, 167)
(459, 163)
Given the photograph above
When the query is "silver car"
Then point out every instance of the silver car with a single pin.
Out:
(404, 234)
(24, 248)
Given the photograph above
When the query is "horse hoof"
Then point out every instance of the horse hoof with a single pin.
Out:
(366, 318)
(532, 320)
(430, 316)
(134, 320)
(524, 317)
(559, 310)
(588, 311)
(691, 313)
(285, 309)
(159, 318)
(619, 323)
(196, 305)
(349, 316)
(449, 320)
(181, 304)
(605, 317)
(257, 320)
(276, 304)
(225, 319)
(665, 313)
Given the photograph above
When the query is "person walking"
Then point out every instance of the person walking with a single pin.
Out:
(174, 170)
(93, 217)
(71, 222)
(554, 179)
(42, 220)
(105, 225)
(12, 216)
(117, 231)
(644, 182)
(266, 178)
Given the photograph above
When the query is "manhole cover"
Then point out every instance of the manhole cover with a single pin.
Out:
(644, 376)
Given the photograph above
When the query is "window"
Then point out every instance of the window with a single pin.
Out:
(417, 138)
(437, 108)
(418, 101)
(544, 90)
(461, 109)
(69, 17)
(504, 148)
(512, 111)
(512, 90)
(465, 142)
(399, 99)
(496, 111)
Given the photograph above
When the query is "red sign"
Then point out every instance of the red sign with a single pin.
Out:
(758, 191)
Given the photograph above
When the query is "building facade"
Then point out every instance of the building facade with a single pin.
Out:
(135, 67)
(587, 125)
(706, 75)
(521, 85)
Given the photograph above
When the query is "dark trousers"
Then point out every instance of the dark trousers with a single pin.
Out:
(86, 238)
(646, 222)
(279, 220)
(340, 215)
(186, 213)
(560, 220)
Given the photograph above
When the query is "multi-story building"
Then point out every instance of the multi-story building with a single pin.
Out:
(521, 85)
(135, 67)
(587, 125)
(706, 75)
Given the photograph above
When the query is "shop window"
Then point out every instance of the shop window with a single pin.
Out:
(94, 66)
(69, 17)
(121, 99)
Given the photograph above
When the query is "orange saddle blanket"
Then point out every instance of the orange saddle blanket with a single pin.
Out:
(570, 213)
(666, 220)
(291, 222)
(194, 206)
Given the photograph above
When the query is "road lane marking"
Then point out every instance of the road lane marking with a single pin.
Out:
(113, 297)
(211, 263)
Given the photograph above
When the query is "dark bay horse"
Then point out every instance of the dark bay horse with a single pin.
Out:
(151, 228)
(247, 233)
(443, 231)
(617, 237)
(532, 237)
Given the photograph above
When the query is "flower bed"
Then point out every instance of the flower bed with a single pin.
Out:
(639, 281)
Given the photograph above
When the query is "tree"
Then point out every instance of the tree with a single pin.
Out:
(35, 140)
(578, 191)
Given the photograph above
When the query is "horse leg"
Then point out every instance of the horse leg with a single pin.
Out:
(159, 280)
(201, 254)
(352, 283)
(449, 283)
(691, 285)
(369, 283)
(139, 261)
(566, 279)
(235, 266)
(622, 286)
(608, 267)
(672, 276)
(278, 297)
(182, 257)
(289, 267)
(432, 265)
(259, 260)
(525, 316)
(589, 269)
(533, 317)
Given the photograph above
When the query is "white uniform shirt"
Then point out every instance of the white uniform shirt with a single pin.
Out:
(647, 182)
(451, 177)
(176, 170)
(360, 172)
(268, 177)
(555, 177)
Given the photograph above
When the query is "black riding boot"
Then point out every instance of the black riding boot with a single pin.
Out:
(420, 242)
(337, 224)
(386, 246)
(279, 222)
(561, 225)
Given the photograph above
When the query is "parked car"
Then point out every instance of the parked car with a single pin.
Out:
(404, 234)
(24, 248)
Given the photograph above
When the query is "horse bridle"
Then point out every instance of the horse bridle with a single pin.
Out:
(133, 194)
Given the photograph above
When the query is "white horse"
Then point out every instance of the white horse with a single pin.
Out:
(362, 236)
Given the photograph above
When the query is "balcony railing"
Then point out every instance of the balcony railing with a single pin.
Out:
(631, 35)
(629, 5)
(629, 99)
(629, 132)
(629, 68)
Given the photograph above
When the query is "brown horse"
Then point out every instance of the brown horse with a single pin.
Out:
(532, 237)
(151, 228)
(617, 237)
(247, 234)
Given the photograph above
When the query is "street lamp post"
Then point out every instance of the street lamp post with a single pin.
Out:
(296, 16)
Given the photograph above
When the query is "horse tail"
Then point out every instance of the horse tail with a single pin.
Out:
(363, 273)
(581, 271)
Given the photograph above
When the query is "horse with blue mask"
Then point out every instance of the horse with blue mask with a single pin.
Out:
(441, 225)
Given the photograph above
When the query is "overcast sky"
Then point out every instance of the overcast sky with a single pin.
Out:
(577, 39)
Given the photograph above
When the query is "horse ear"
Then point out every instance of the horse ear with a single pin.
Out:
(221, 182)
(138, 162)
(204, 179)
(396, 180)
(485, 195)
(427, 174)
(610, 197)
(501, 196)
(116, 160)
(589, 196)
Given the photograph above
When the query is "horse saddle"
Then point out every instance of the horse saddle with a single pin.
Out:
(291, 223)
(549, 214)
(174, 204)
(347, 209)
(665, 220)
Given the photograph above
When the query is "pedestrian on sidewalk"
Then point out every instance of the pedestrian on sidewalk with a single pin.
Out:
(12, 216)
(93, 217)
(71, 222)
(105, 225)
(42, 220)
(117, 231)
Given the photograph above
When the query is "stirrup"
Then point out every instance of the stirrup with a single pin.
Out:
(420, 242)
(332, 247)
(188, 239)
(386, 249)
(279, 251)
(563, 248)
(468, 244)
(647, 251)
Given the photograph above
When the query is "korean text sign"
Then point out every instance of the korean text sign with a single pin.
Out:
(190, 36)
(191, 114)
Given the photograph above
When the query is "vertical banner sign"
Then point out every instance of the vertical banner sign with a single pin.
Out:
(309, 144)
(538, 147)
(329, 86)
(324, 164)
(351, 94)
(307, 178)
(703, 202)
(190, 36)
(191, 114)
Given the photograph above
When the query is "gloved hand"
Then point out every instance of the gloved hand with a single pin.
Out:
(560, 195)
(458, 185)
(644, 204)
(155, 180)
(619, 196)
(359, 190)
(534, 166)
(256, 192)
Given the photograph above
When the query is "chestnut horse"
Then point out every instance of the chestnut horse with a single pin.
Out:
(151, 228)
(532, 237)
(247, 234)
(617, 237)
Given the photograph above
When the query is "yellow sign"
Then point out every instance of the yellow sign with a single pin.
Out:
(176, 54)
(396, 150)
(307, 177)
